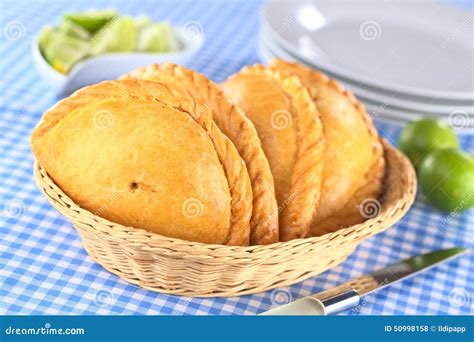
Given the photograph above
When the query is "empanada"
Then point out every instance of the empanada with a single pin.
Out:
(149, 156)
(289, 126)
(353, 156)
(235, 125)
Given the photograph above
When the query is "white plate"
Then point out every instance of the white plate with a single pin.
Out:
(461, 121)
(399, 99)
(417, 48)
(392, 99)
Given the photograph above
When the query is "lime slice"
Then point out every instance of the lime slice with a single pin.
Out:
(45, 38)
(149, 39)
(172, 43)
(143, 21)
(63, 51)
(172, 39)
(72, 29)
(120, 35)
(91, 21)
(158, 37)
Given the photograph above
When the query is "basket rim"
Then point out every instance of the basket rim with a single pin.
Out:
(41, 177)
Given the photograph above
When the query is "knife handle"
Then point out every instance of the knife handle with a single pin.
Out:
(337, 299)
(323, 303)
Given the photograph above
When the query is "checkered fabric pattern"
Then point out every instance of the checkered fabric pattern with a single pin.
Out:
(45, 270)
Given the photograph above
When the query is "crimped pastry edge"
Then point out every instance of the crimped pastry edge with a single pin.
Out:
(239, 186)
(294, 221)
(376, 170)
(234, 123)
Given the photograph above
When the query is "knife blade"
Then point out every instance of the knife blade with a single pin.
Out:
(348, 294)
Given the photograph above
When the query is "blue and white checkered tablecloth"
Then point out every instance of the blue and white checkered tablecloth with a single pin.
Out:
(43, 266)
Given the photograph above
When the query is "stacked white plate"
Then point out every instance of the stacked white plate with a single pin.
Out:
(403, 59)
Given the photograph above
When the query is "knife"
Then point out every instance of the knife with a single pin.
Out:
(349, 294)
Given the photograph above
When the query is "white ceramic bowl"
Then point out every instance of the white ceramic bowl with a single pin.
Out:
(110, 66)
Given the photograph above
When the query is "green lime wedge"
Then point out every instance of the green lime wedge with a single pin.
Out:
(158, 37)
(174, 42)
(45, 37)
(63, 51)
(149, 39)
(72, 29)
(118, 36)
(170, 38)
(91, 21)
(143, 21)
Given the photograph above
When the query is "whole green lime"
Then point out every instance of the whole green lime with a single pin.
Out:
(420, 137)
(447, 179)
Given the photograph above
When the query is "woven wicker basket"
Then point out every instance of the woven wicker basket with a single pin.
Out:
(187, 268)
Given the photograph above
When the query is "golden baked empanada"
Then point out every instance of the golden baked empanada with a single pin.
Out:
(353, 155)
(235, 125)
(288, 124)
(145, 155)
